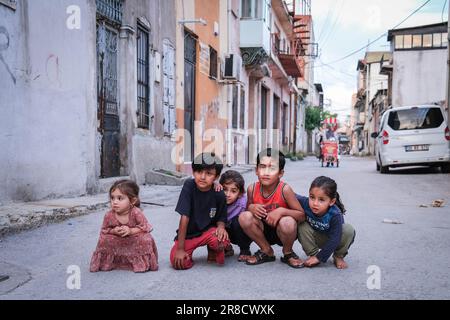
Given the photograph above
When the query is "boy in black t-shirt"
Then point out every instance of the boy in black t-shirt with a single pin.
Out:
(203, 214)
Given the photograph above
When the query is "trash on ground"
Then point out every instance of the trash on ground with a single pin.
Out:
(3, 278)
(423, 206)
(389, 221)
(438, 203)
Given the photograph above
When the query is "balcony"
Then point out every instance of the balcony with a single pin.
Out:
(255, 41)
(289, 61)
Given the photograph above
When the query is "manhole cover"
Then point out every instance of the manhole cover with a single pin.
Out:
(3, 278)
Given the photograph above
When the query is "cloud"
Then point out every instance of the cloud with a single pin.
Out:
(370, 16)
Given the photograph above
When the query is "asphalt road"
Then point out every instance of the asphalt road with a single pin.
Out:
(387, 261)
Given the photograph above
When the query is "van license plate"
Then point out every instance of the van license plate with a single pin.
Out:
(421, 147)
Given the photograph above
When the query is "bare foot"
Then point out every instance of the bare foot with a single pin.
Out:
(340, 263)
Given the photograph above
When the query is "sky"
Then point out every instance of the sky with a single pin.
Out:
(343, 26)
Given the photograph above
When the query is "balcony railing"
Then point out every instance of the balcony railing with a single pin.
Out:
(288, 59)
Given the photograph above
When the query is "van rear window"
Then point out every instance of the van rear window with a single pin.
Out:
(415, 118)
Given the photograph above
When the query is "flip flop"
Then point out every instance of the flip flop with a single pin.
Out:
(261, 257)
(287, 259)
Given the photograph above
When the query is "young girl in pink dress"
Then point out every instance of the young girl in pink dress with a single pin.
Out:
(125, 241)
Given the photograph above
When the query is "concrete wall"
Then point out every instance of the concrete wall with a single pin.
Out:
(50, 143)
(48, 101)
(419, 77)
(146, 149)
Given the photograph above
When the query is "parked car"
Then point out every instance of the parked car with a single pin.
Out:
(413, 136)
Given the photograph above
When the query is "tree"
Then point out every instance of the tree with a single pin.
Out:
(315, 116)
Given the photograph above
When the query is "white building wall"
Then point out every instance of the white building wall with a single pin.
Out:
(419, 77)
(48, 101)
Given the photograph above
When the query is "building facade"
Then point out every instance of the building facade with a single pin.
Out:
(87, 92)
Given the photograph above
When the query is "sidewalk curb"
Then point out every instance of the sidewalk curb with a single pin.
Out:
(17, 222)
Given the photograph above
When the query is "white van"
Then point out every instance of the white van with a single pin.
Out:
(413, 136)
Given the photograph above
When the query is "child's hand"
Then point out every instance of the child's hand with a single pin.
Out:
(218, 187)
(124, 231)
(274, 217)
(115, 231)
(311, 262)
(180, 256)
(258, 210)
(222, 234)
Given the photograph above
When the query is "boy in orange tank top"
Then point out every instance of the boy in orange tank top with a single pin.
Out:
(274, 211)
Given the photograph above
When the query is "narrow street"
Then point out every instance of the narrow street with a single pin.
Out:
(413, 257)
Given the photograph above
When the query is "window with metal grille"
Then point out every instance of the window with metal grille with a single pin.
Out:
(110, 9)
(212, 63)
(143, 107)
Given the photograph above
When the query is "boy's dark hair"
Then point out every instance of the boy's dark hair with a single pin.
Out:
(274, 154)
(232, 176)
(206, 161)
(128, 188)
(329, 186)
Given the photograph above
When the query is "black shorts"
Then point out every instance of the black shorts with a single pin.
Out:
(271, 235)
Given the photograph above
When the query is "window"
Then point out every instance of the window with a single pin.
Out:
(246, 8)
(284, 115)
(263, 108)
(427, 40)
(276, 112)
(399, 42)
(212, 63)
(242, 113)
(253, 9)
(234, 109)
(407, 41)
(415, 119)
(143, 78)
(417, 41)
(437, 42)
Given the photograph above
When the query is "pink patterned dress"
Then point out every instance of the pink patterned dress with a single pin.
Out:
(137, 252)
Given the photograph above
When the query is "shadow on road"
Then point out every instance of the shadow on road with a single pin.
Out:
(414, 170)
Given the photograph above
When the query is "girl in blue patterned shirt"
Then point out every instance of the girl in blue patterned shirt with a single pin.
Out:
(324, 232)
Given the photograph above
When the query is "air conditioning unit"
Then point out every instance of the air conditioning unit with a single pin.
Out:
(232, 67)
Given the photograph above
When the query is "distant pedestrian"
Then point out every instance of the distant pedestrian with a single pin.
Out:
(203, 214)
(324, 232)
(125, 240)
(234, 187)
(273, 211)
